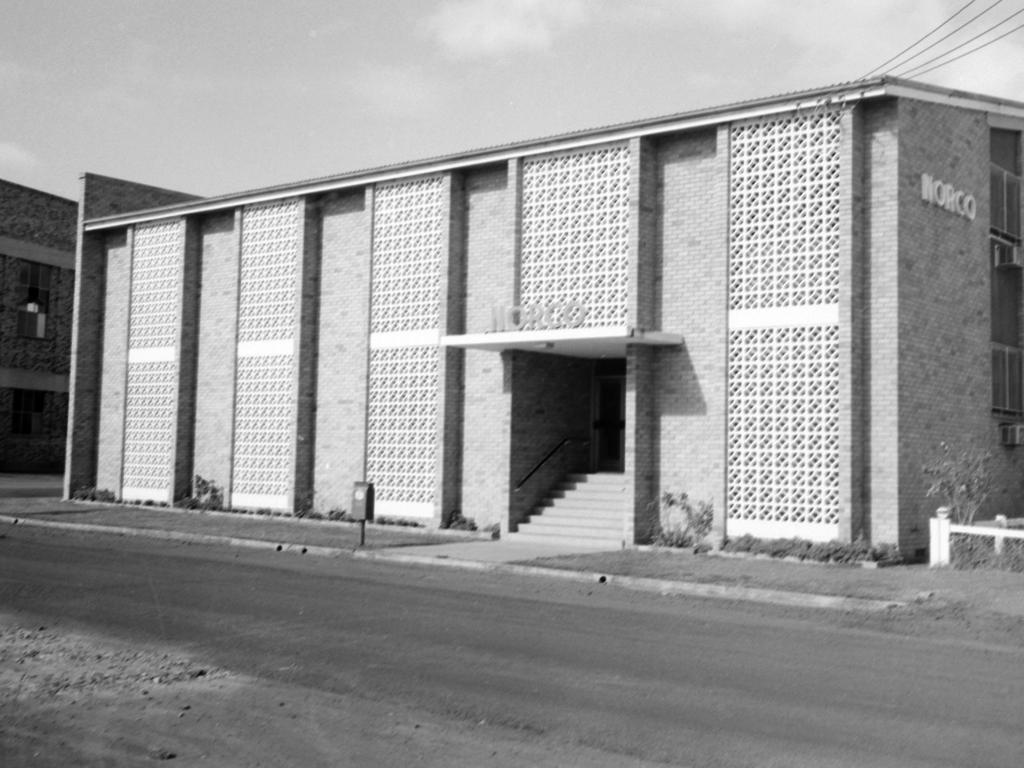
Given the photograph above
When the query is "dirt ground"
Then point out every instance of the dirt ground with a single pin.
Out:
(75, 698)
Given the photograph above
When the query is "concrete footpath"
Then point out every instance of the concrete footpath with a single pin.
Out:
(848, 588)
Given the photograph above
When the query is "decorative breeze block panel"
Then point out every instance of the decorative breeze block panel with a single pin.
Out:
(408, 238)
(783, 398)
(403, 417)
(158, 258)
(268, 284)
(149, 429)
(575, 233)
(265, 382)
(264, 419)
(784, 425)
(784, 212)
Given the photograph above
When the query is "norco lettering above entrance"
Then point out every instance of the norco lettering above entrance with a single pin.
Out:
(946, 196)
(536, 317)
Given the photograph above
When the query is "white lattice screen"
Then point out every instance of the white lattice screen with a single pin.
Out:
(265, 393)
(405, 317)
(575, 233)
(783, 438)
(158, 257)
(407, 244)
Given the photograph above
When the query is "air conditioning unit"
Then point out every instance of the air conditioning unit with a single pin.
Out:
(1006, 254)
(1011, 434)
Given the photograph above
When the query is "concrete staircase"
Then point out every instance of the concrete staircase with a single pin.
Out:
(584, 512)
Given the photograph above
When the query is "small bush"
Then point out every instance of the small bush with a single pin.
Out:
(337, 514)
(815, 551)
(304, 507)
(681, 523)
(456, 522)
(969, 552)
(94, 494)
(961, 479)
(206, 495)
(401, 521)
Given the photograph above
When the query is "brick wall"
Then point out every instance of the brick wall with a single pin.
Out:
(37, 217)
(490, 234)
(107, 196)
(113, 377)
(944, 312)
(692, 210)
(215, 348)
(346, 232)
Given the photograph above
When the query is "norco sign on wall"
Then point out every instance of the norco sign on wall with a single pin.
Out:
(948, 197)
(539, 317)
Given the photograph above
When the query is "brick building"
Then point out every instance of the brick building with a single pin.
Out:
(37, 261)
(781, 306)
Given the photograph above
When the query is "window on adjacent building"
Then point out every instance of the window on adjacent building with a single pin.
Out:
(27, 412)
(34, 285)
(1005, 273)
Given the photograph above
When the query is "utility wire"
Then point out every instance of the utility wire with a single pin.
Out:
(956, 48)
(967, 53)
(922, 39)
(949, 35)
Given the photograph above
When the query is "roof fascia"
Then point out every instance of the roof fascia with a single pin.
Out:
(419, 169)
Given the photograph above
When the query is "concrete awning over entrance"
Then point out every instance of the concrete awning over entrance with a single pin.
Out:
(608, 341)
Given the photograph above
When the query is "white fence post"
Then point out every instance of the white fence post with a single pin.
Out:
(938, 544)
(997, 544)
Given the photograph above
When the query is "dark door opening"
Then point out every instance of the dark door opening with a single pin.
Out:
(610, 422)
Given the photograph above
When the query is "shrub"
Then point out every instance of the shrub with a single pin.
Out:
(337, 514)
(304, 507)
(681, 523)
(456, 522)
(961, 478)
(206, 495)
(94, 494)
(816, 551)
(970, 552)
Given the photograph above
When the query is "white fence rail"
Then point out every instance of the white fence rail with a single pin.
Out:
(941, 528)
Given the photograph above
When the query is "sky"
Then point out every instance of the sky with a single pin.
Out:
(219, 96)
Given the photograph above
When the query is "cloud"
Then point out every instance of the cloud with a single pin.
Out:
(16, 158)
(468, 29)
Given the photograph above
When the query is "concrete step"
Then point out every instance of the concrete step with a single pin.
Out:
(586, 492)
(606, 480)
(579, 512)
(571, 502)
(576, 542)
(543, 522)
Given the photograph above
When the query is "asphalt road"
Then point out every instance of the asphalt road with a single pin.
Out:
(569, 666)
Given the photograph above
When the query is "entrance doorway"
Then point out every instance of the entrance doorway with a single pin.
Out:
(609, 438)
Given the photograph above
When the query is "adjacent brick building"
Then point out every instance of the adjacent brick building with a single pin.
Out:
(37, 260)
(782, 307)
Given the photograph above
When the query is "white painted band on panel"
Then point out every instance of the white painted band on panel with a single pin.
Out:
(784, 317)
(266, 348)
(152, 355)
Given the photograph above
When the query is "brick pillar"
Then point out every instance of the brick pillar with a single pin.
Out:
(852, 510)
(306, 341)
(86, 361)
(452, 362)
(181, 483)
(114, 352)
(216, 343)
(640, 464)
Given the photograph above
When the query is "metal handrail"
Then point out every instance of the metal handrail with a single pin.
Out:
(545, 460)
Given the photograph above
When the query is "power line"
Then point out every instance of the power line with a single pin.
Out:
(922, 39)
(950, 34)
(967, 53)
(956, 48)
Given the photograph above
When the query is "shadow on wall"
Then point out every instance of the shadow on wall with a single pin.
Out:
(679, 389)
